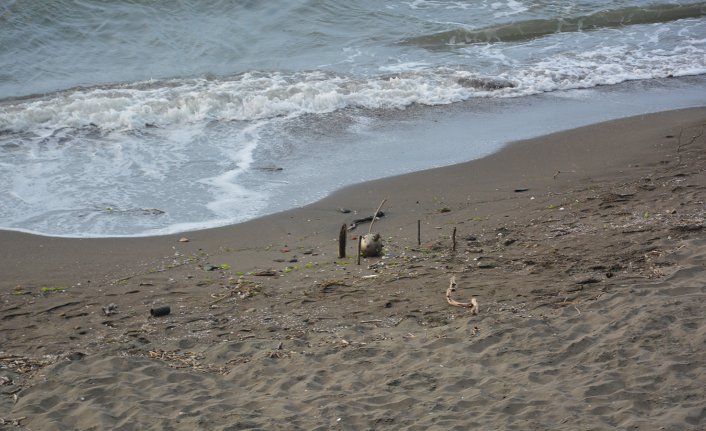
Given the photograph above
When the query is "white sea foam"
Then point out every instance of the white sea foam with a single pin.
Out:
(230, 197)
(262, 96)
(405, 67)
(432, 4)
(252, 96)
(508, 8)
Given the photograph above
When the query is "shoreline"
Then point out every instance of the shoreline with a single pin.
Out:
(585, 250)
(498, 167)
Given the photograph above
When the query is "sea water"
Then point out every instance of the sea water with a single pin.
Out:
(143, 117)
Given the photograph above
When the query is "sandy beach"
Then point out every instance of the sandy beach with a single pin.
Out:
(585, 251)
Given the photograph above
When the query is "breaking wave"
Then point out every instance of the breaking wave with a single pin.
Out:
(533, 29)
(248, 97)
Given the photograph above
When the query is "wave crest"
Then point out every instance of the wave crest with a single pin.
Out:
(533, 29)
(248, 97)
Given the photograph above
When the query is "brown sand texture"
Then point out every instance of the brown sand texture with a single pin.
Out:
(585, 251)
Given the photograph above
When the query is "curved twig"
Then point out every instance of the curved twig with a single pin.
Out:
(375, 216)
(472, 305)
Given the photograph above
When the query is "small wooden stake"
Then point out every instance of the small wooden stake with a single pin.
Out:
(375, 215)
(453, 239)
(342, 242)
(419, 232)
(360, 238)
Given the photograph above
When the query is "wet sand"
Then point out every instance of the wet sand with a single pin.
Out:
(585, 250)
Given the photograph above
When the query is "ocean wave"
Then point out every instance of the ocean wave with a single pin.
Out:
(532, 29)
(258, 96)
(248, 97)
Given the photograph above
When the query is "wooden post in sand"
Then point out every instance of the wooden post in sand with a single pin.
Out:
(419, 232)
(342, 242)
(453, 240)
(360, 239)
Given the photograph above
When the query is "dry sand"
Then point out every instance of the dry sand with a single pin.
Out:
(591, 285)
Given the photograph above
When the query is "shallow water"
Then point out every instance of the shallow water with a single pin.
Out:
(134, 118)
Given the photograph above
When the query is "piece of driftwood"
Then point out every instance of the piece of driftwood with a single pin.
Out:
(56, 307)
(472, 305)
(358, 221)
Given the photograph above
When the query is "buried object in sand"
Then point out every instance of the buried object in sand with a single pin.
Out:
(371, 245)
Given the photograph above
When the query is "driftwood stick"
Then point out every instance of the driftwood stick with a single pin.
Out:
(342, 242)
(453, 240)
(360, 238)
(375, 214)
(56, 307)
(356, 222)
(472, 305)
